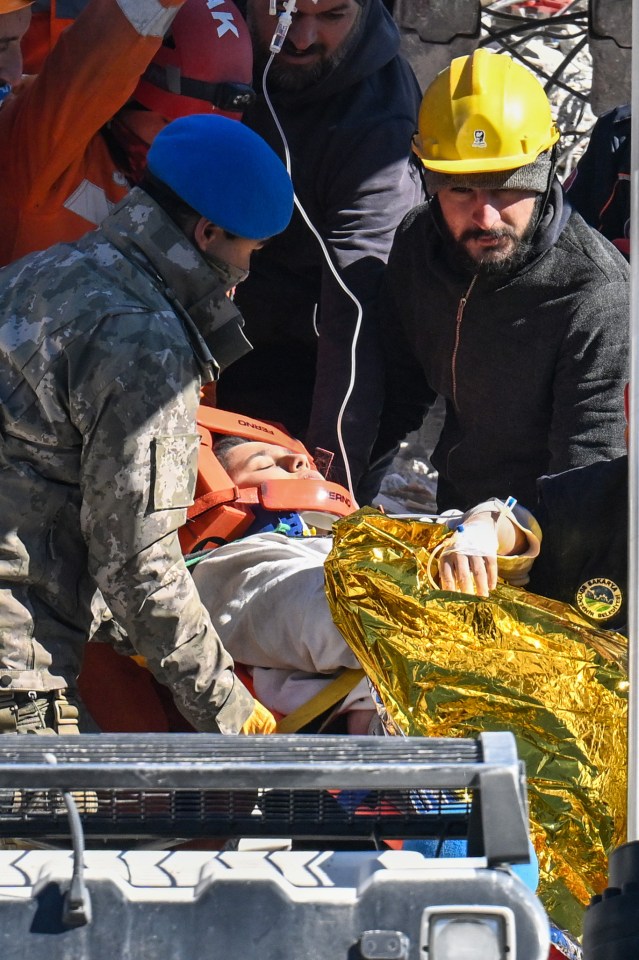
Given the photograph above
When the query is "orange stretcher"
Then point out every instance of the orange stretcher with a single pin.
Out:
(119, 692)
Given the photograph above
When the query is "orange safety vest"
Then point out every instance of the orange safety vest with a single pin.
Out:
(58, 178)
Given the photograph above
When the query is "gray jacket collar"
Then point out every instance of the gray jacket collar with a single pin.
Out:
(140, 229)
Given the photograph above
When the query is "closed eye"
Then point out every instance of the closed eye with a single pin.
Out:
(263, 463)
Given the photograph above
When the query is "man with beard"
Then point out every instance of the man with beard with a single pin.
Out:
(499, 297)
(347, 103)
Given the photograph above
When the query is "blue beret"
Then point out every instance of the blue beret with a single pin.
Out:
(226, 172)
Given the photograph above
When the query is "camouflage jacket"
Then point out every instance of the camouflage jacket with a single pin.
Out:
(103, 347)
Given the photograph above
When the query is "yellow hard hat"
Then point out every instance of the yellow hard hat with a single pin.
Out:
(10, 6)
(483, 113)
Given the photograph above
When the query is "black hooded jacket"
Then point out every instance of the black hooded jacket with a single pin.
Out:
(532, 367)
(349, 138)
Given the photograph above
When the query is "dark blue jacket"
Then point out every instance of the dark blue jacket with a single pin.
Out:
(583, 514)
(599, 188)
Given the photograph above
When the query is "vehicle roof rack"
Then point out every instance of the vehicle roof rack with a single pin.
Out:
(140, 786)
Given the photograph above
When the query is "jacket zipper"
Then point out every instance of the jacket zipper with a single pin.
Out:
(458, 321)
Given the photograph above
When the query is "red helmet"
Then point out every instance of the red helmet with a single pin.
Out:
(205, 64)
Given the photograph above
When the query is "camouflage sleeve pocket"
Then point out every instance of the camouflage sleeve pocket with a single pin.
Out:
(174, 470)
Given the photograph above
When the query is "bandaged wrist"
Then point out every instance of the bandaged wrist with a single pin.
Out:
(515, 569)
(494, 507)
(473, 540)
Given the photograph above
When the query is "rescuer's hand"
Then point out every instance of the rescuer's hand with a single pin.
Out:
(260, 721)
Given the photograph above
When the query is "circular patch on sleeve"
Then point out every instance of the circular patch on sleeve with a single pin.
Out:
(599, 599)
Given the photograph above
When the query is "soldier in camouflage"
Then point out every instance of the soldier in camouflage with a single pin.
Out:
(104, 345)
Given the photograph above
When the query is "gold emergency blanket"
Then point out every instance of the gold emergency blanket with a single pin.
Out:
(448, 664)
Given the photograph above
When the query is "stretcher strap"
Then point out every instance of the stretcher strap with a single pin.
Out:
(328, 696)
